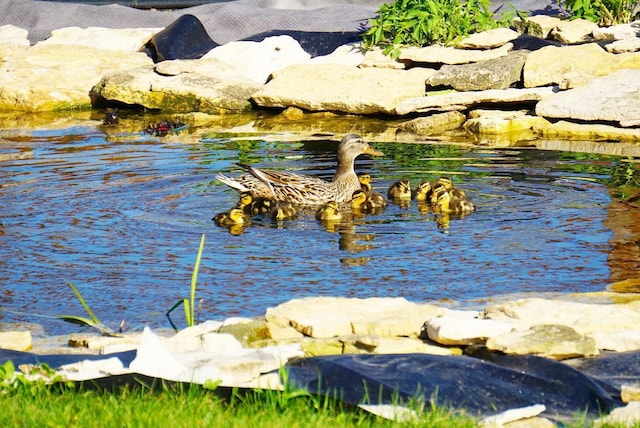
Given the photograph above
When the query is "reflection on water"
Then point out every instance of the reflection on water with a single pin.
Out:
(122, 219)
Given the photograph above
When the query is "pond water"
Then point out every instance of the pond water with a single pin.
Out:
(121, 216)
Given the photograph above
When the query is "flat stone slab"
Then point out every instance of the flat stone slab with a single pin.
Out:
(611, 98)
(463, 100)
(436, 54)
(334, 87)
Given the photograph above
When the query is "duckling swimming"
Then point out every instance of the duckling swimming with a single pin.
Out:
(422, 193)
(245, 201)
(453, 190)
(400, 190)
(283, 210)
(329, 212)
(448, 204)
(235, 216)
(375, 199)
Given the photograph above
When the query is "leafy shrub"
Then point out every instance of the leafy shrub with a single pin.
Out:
(602, 12)
(424, 22)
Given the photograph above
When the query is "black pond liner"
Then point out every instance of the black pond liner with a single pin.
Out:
(481, 385)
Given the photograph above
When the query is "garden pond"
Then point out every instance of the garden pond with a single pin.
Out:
(120, 214)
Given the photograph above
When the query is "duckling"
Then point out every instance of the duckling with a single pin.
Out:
(261, 206)
(447, 204)
(453, 190)
(422, 193)
(329, 212)
(245, 201)
(283, 210)
(234, 217)
(400, 190)
(376, 200)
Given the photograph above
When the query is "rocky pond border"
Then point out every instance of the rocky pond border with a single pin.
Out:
(545, 78)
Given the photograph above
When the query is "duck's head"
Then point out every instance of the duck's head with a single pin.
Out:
(352, 145)
(365, 181)
(443, 199)
(446, 182)
(245, 199)
(422, 191)
(236, 215)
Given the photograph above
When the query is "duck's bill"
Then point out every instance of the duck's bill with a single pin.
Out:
(373, 152)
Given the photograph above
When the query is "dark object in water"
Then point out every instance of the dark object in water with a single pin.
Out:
(315, 43)
(161, 129)
(110, 117)
(184, 38)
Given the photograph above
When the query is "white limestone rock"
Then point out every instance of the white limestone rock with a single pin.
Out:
(537, 25)
(15, 340)
(436, 54)
(463, 100)
(325, 317)
(594, 137)
(573, 31)
(627, 416)
(584, 318)
(512, 415)
(375, 58)
(554, 341)
(617, 32)
(488, 39)
(618, 341)
(568, 66)
(624, 45)
(329, 87)
(92, 369)
(434, 124)
(258, 60)
(57, 77)
(629, 393)
(499, 122)
(12, 35)
(120, 39)
(611, 98)
(465, 328)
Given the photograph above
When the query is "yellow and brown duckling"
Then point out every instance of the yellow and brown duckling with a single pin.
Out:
(375, 199)
(422, 192)
(245, 202)
(305, 189)
(362, 203)
(329, 212)
(283, 210)
(453, 190)
(400, 190)
(447, 203)
(235, 216)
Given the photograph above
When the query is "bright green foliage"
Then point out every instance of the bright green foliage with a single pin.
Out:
(602, 12)
(424, 22)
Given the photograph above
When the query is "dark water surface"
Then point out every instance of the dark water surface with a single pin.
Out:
(122, 220)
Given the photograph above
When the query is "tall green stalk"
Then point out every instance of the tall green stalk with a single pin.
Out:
(190, 303)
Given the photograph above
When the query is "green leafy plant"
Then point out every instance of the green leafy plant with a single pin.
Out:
(602, 12)
(92, 321)
(189, 304)
(424, 22)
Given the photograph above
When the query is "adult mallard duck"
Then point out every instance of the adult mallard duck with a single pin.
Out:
(329, 212)
(400, 190)
(305, 189)
(235, 216)
(375, 199)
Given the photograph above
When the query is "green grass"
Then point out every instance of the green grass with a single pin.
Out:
(191, 406)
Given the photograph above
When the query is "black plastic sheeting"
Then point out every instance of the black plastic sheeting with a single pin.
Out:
(480, 387)
(482, 383)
